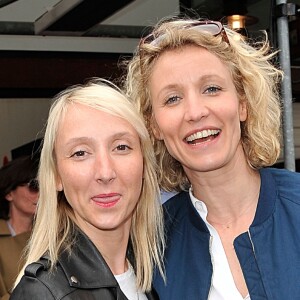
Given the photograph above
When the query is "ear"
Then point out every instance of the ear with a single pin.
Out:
(155, 129)
(9, 196)
(59, 185)
(243, 111)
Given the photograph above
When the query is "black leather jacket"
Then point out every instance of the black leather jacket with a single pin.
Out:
(81, 275)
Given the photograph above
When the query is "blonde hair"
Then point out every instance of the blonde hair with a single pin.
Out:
(54, 224)
(254, 75)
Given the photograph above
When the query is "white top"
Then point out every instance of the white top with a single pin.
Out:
(11, 229)
(127, 283)
(222, 286)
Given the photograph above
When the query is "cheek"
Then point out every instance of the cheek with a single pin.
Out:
(74, 191)
(232, 114)
(137, 168)
(133, 174)
(156, 129)
(164, 124)
(72, 177)
(160, 120)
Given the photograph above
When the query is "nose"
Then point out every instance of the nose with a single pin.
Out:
(195, 107)
(105, 168)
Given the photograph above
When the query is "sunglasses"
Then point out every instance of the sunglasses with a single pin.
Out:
(213, 27)
(33, 185)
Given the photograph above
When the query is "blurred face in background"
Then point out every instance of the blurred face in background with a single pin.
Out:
(23, 199)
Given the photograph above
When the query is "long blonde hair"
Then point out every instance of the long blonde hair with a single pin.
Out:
(54, 223)
(254, 75)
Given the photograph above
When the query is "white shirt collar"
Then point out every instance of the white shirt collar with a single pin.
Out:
(222, 285)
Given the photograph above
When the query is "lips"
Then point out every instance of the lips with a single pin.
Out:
(202, 136)
(106, 200)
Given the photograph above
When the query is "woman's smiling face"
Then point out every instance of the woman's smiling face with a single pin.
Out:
(100, 168)
(196, 110)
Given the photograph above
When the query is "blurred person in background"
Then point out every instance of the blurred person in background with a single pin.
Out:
(18, 200)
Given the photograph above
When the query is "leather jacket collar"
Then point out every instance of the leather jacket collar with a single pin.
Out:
(84, 266)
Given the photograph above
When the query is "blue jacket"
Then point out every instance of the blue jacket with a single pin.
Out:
(269, 253)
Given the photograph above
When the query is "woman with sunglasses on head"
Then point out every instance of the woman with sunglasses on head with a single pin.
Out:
(18, 199)
(98, 230)
(211, 104)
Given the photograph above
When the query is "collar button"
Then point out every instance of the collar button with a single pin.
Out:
(74, 280)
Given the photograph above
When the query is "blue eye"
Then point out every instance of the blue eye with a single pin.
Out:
(172, 99)
(212, 89)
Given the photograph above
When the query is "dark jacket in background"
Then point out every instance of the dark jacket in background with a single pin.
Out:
(81, 275)
(269, 253)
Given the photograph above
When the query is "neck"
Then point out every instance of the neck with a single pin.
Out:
(112, 244)
(229, 195)
(114, 251)
(20, 223)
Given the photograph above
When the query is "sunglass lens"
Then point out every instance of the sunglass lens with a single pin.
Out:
(33, 185)
(212, 28)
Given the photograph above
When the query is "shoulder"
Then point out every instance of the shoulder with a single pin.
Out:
(176, 210)
(4, 230)
(176, 205)
(39, 282)
(287, 183)
(11, 250)
(282, 175)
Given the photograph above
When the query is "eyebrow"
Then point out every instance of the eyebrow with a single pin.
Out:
(85, 139)
(167, 88)
(200, 79)
(211, 76)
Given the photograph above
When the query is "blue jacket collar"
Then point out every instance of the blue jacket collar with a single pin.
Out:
(265, 207)
(267, 197)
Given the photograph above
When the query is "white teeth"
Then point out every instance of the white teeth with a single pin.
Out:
(202, 134)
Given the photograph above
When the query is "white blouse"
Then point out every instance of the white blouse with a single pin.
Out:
(127, 283)
(223, 286)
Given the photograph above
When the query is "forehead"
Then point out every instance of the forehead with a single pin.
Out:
(186, 59)
(82, 119)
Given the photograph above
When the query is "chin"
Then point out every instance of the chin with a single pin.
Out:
(108, 226)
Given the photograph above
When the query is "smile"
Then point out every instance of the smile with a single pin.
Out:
(202, 135)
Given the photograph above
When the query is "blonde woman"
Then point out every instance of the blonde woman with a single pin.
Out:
(98, 229)
(211, 104)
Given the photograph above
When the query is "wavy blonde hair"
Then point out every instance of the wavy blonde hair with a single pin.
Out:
(54, 224)
(255, 77)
